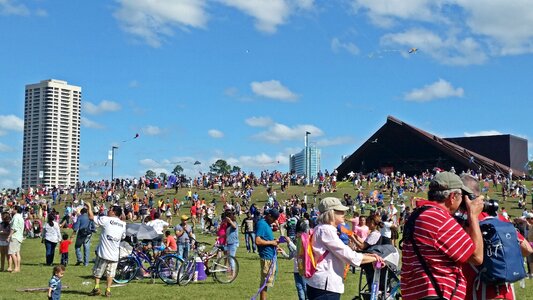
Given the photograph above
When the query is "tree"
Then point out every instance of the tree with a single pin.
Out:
(163, 176)
(177, 170)
(235, 169)
(529, 168)
(220, 167)
(150, 174)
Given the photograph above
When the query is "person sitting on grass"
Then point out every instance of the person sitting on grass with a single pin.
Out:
(170, 242)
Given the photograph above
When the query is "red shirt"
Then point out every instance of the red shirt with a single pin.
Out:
(171, 243)
(63, 246)
(193, 210)
(444, 246)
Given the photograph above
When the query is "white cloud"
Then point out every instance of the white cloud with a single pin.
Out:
(104, 106)
(259, 121)
(261, 160)
(483, 133)
(384, 12)
(12, 7)
(436, 90)
(90, 123)
(151, 130)
(273, 89)
(10, 123)
(279, 132)
(5, 148)
(450, 50)
(509, 25)
(341, 140)
(337, 46)
(214, 133)
(269, 14)
(150, 20)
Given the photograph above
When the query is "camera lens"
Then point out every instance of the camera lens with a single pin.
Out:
(491, 207)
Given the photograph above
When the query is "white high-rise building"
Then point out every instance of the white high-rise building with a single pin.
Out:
(51, 149)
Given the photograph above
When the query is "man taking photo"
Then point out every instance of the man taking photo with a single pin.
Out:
(432, 258)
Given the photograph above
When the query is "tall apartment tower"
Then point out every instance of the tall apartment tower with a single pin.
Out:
(51, 149)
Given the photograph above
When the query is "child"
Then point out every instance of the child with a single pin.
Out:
(170, 242)
(63, 248)
(54, 285)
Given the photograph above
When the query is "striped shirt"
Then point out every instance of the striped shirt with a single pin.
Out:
(444, 246)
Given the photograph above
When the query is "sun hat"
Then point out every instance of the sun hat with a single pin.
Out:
(448, 181)
(331, 203)
(529, 216)
(184, 217)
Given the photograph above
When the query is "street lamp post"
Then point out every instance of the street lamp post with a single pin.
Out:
(112, 161)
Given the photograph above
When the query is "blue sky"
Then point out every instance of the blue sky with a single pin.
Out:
(243, 80)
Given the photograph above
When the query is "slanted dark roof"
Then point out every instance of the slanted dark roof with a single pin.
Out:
(408, 149)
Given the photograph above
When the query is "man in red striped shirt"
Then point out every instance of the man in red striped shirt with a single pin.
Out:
(442, 243)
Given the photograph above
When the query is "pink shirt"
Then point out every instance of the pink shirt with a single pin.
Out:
(361, 231)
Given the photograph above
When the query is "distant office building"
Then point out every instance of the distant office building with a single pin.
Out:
(51, 148)
(302, 166)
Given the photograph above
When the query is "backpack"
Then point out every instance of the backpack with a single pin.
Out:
(502, 257)
(305, 257)
(90, 229)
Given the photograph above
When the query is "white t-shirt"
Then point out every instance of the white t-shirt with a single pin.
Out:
(114, 230)
(158, 225)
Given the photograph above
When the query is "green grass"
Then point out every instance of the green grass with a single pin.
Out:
(80, 282)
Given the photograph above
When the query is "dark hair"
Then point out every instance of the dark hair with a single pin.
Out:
(83, 211)
(57, 269)
(65, 236)
(167, 233)
(6, 218)
(157, 215)
(50, 219)
(117, 210)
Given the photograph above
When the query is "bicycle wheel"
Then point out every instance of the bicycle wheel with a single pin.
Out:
(225, 269)
(168, 267)
(127, 268)
(186, 271)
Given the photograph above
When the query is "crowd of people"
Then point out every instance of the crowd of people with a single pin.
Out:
(375, 214)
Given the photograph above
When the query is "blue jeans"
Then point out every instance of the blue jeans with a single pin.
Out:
(300, 286)
(232, 251)
(50, 250)
(84, 242)
(183, 250)
(250, 239)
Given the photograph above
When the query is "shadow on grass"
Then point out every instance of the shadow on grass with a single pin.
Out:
(73, 292)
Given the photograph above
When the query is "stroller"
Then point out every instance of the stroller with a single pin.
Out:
(389, 283)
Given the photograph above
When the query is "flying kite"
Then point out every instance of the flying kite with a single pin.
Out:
(197, 163)
(413, 50)
(136, 136)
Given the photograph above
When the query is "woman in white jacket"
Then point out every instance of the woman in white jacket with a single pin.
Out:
(327, 282)
(51, 236)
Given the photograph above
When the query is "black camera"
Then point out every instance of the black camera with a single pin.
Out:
(491, 207)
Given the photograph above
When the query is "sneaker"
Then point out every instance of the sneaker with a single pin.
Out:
(107, 293)
(95, 292)
(78, 263)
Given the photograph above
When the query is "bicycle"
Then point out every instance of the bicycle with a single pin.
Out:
(165, 266)
(224, 270)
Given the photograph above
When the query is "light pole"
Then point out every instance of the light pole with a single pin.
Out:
(112, 161)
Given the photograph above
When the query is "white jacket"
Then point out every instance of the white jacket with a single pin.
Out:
(330, 270)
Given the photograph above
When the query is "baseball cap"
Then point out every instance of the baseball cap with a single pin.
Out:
(184, 217)
(448, 181)
(273, 212)
(331, 203)
(529, 216)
